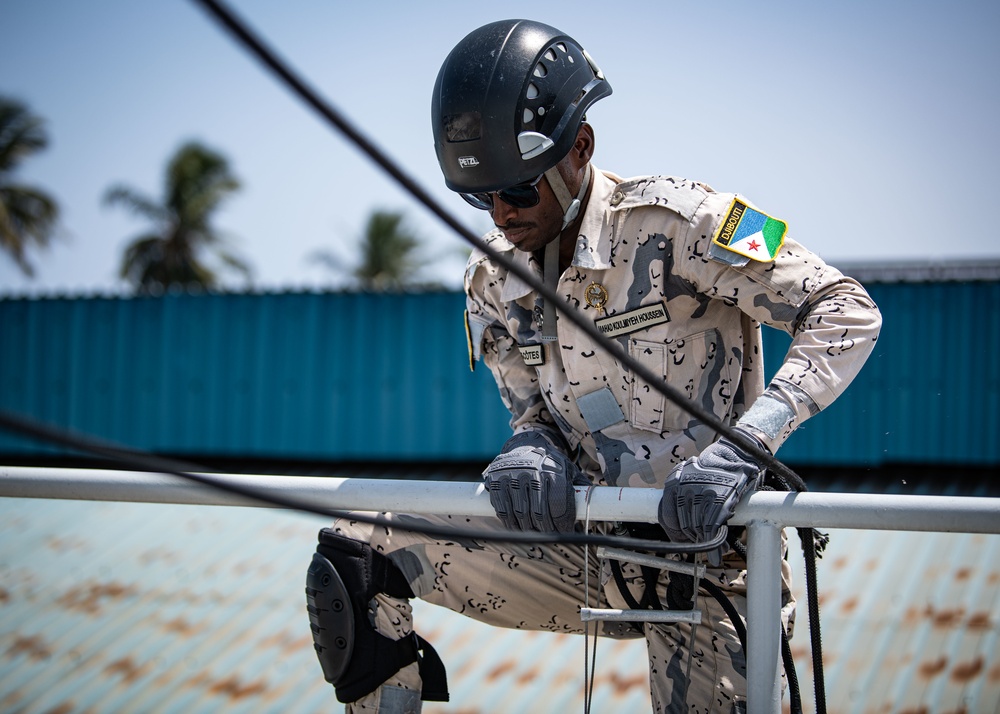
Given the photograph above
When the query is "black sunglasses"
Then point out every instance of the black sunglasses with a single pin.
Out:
(523, 195)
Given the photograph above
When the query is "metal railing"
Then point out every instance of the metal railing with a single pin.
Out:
(764, 514)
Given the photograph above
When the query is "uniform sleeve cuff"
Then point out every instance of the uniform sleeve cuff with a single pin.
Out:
(770, 419)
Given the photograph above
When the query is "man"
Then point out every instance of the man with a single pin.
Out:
(681, 278)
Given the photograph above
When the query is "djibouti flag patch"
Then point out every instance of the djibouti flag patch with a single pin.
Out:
(749, 232)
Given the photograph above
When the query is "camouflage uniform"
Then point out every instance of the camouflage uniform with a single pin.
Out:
(688, 310)
(648, 241)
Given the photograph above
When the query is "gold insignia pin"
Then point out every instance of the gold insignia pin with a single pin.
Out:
(596, 296)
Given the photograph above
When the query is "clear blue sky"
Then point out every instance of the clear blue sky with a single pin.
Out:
(869, 126)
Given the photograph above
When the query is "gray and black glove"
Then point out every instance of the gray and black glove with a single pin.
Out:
(531, 485)
(701, 493)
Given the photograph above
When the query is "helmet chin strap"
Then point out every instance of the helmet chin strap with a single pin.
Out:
(570, 205)
(571, 209)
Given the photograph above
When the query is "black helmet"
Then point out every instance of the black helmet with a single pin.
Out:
(508, 103)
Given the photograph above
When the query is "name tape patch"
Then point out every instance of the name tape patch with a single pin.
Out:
(625, 323)
(533, 355)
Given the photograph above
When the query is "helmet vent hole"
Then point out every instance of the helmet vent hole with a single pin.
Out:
(527, 116)
(562, 47)
(550, 55)
(532, 91)
(540, 70)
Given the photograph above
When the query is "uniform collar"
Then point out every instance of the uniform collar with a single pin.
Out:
(513, 287)
(593, 245)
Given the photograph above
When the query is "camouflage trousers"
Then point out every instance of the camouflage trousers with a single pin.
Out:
(541, 587)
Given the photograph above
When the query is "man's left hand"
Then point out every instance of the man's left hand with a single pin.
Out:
(701, 493)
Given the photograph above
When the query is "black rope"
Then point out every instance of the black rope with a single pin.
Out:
(147, 462)
(265, 55)
(813, 544)
(141, 461)
(251, 42)
(731, 612)
(795, 695)
(794, 692)
(808, 536)
(815, 639)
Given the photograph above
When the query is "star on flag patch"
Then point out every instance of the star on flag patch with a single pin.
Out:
(749, 232)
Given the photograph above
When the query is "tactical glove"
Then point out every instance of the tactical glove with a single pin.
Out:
(531, 485)
(701, 493)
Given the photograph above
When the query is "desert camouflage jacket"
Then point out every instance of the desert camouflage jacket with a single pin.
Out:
(648, 272)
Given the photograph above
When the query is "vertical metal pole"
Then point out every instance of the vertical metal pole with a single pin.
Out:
(763, 617)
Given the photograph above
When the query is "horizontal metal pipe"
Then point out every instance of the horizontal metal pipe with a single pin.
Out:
(342, 494)
(820, 510)
(869, 511)
(588, 614)
(653, 561)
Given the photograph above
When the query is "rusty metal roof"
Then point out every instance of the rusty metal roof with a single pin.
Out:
(125, 607)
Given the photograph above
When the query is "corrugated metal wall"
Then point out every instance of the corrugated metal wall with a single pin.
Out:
(929, 393)
(345, 376)
(293, 375)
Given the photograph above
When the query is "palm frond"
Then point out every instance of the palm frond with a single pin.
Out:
(11, 242)
(236, 263)
(28, 217)
(388, 253)
(21, 134)
(196, 181)
(139, 253)
(135, 202)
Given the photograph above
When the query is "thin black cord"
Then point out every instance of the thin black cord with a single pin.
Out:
(730, 609)
(741, 632)
(808, 538)
(794, 693)
(141, 461)
(614, 349)
(148, 462)
(243, 33)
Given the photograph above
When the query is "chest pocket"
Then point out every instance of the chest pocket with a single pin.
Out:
(696, 366)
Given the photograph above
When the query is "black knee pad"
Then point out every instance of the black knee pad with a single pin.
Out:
(344, 576)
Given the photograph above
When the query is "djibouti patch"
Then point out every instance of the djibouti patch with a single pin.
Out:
(748, 232)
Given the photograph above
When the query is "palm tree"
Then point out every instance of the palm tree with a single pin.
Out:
(27, 215)
(172, 254)
(388, 254)
(388, 260)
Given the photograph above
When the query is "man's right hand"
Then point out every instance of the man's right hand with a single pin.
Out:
(531, 485)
